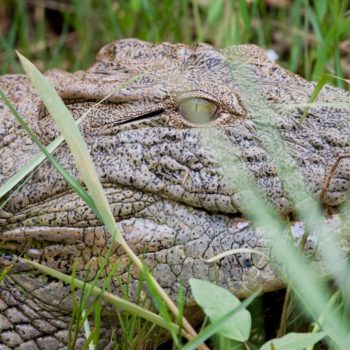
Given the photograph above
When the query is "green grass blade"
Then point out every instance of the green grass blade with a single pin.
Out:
(215, 10)
(88, 333)
(314, 20)
(160, 305)
(197, 21)
(215, 301)
(79, 149)
(70, 179)
(51, 148)
(323, 81)
(340, 78)
(28, 168)
(84, 163)
(243, 10)
(96, 291)
(315, 296)
(210, 330)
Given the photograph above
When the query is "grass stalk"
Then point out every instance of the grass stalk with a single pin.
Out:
(84, 163)
(118, 302)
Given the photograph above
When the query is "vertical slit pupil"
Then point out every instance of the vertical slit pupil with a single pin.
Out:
(198, 110)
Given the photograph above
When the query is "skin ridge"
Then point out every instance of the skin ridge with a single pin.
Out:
(167, 189)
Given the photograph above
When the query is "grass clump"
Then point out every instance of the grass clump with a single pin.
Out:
(310, 38)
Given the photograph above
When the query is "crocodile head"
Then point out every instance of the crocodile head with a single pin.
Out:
(152, 143)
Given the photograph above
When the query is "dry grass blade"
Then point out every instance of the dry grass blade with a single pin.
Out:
(84, 163)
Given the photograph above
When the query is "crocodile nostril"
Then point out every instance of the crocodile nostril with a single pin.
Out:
(247, 263)
(6, 259)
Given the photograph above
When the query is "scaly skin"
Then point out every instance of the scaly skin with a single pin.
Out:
(165, 186)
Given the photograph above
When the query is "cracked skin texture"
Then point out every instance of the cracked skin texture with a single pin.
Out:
(166, 189)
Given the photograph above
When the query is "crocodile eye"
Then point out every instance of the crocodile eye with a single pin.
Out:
(198, 110)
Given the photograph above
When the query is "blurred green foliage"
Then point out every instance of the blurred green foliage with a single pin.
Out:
(310, 37)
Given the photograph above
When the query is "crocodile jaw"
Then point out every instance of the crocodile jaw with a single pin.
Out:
(175, 240)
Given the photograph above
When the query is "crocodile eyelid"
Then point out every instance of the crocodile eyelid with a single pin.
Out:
(197, 94)
(226, 102)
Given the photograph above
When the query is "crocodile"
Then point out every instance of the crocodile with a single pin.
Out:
(167, 189)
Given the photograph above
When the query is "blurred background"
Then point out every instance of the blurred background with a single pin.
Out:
(308, 37)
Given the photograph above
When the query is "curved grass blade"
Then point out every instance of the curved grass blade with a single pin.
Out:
(210, 330)
(77, 145)
(215, 301)
(51, 148)
(322, 82)
(27, 168)
(73, 183)
(85, 165)
(96, 291)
